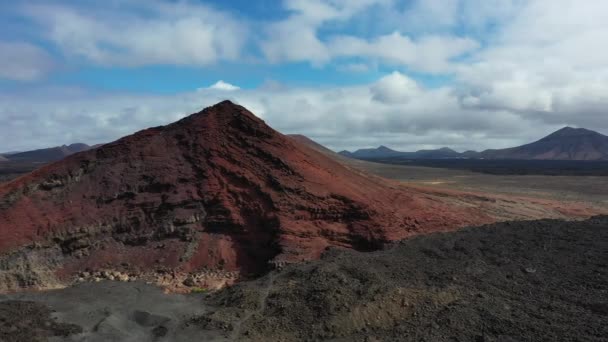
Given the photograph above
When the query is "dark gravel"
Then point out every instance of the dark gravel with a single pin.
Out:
(30, 321)
(521, 281)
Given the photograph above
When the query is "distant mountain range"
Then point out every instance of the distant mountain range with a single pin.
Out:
(566, 144)
(46, 155)
(385, 152)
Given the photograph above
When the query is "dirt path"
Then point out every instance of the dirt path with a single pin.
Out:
(107, 311)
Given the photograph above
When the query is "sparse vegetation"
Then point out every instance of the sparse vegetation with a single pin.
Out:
(199, 290)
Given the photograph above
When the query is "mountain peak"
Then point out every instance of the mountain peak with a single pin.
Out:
(568, 143)
(225, 107)
(78, 146)
(222, 117)
(225, 103)
(384, 148)
(571, 131)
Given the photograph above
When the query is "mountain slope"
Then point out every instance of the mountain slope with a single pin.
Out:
(3, 159)
(48, 154)
(217, 190)
(566, 144)
(304, 140)
(441, 153)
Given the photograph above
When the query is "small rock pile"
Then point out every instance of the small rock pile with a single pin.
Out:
(211, 279)
(98, 276)
(172, 281)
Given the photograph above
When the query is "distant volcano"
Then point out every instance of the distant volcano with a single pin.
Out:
(47, 155)
(385, 152)
(566, 144)
(218, 190)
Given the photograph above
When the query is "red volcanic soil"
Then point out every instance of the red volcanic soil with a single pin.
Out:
(218, 189)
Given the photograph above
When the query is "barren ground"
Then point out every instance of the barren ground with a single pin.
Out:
(520, 281)
(515, 281)
(589, 189)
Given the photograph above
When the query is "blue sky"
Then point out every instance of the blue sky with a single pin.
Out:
(409, 74)
(250, 71)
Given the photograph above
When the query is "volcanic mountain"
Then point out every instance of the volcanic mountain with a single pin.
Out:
(385, 152)
(217, 190)
(566, 144)
(304, 140)
(49, 154)
(3, 159)
(371, 153)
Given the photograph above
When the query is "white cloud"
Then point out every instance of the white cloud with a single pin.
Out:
(224, 86)
(192, 34)
(393, 110)
(547, 62)
(319, 11)
(443, 15)
(294, 40)
(297, 39)
(541, 64)
(23, 62)
(157, 33)
(430, 53)
(395, 88)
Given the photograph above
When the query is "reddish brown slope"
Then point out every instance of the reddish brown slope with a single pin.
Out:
(218, 189)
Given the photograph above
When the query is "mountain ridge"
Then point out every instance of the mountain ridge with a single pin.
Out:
(567, 143)
(46, 155)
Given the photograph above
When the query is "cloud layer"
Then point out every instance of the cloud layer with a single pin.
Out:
(149, 33)
(23, 62)
(394, 110)
(511, 70)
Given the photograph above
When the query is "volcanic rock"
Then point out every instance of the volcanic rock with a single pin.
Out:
(216, 190)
